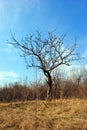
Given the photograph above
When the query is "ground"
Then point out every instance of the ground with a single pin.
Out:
(63, 114)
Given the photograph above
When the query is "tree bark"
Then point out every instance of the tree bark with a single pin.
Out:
(49, 82)
(49, 89)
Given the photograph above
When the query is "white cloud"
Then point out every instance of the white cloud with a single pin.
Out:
(83, 41)
(7, 77)
(8, 14)
(8, 74)
(11, 11)
(84, 54)
(83, 44)
(6, 50)
(68, 71)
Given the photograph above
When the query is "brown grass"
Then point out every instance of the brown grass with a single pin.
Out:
(66, 114)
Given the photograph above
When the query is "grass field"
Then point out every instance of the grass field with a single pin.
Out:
(65, 114)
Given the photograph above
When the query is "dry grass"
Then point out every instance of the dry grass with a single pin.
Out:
(66, 114)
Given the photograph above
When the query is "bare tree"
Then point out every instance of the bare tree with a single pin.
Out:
(46, 54)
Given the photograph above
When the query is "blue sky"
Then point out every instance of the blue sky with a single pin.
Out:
(25, 16)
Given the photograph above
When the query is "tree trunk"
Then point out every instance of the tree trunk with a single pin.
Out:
(49, 89)
(49, 93)
(49, 82)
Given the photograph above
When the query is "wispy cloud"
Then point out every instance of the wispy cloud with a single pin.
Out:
(5, 50)
(6, 77)
(12, 10)
(8, 74)
(9, 13)
(83, 42)
(85, 54)
(83, 47)
(8, 48)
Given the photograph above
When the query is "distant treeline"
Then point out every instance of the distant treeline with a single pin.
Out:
(61, 89)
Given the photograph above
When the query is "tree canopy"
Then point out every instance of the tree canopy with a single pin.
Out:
(46, 53)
